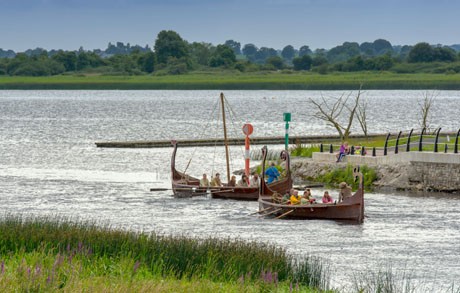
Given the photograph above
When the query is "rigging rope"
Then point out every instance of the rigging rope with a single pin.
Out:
(202, 135)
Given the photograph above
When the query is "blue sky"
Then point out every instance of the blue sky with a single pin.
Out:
(69, 24)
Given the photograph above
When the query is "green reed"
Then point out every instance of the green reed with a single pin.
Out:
(103, 251)
(340, 174)
(286, 80)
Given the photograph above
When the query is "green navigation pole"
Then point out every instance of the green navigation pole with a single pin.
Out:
(287, 119)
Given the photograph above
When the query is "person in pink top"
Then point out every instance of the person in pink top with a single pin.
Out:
(327, 197)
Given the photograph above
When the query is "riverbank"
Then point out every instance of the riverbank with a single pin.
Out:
(412, 176)
(47, 255)
(278, 80)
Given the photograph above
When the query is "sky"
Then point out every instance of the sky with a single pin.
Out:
(92, 24)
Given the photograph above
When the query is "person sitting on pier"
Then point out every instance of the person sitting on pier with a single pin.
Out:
(204, 182)
(345, 191)
(327, 197)
(216, 182)
(232, 181)
(254, 182)
(344, 150)
(243, 182)
(272, 173)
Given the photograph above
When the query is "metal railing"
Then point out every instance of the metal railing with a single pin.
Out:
(406, 142)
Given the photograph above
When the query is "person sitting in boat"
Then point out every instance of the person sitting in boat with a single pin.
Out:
(216, 182)
(254, 182)
(243, 182)
(345, 191)
(232, 181)
(327, 198)
(295, 198)
(307, 197)
(272, 173)
(204, 181)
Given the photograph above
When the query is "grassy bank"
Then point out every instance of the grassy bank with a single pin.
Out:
(46, 255)
(284, 80)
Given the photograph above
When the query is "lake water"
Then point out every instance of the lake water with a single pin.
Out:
(49, 165)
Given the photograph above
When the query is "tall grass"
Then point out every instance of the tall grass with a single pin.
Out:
(244, 81)
(88, 250)
(387, 280)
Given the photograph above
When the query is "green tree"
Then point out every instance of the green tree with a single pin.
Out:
(263, 54)
(222, 56)
(288, 53)
(302, 63)
(236, 46)
(444, 54)
(67, 59)
(170, 44)
(344, 52)
(201, 52)
(147, 62)
(304, 50)
(421, 52)
(275, 61)
(250, 51)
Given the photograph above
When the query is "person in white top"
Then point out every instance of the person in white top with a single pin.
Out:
(254, 182)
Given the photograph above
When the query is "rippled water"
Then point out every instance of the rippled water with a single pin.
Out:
(49, 165)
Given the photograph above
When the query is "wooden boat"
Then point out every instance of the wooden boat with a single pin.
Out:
(184, 185)
(350, 209)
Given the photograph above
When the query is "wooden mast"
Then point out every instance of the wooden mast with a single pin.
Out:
(225, 136)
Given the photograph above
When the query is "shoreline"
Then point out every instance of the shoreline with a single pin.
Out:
(238, 81)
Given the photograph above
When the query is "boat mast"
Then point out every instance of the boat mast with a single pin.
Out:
(225, 136)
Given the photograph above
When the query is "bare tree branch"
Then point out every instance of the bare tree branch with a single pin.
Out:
(425, 106)
(332, 113)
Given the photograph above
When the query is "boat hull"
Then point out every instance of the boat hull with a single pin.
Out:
(351, 209)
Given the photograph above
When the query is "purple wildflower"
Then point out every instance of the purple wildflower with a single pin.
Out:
(2, 267)
(136, 266)
(241, 279)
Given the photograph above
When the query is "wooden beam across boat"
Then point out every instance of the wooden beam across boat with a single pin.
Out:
(221, 142)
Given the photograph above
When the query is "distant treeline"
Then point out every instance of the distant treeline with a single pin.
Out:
(173, 55)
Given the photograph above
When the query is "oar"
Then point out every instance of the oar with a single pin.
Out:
(184, 188)
(285, 214)
(261, 211)
(229, 190)
(272, 212)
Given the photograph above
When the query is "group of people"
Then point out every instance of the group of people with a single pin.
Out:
(243, 182)
(293, 197)
(345, 150)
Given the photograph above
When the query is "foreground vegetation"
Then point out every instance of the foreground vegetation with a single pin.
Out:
(47, 255)
(274, 80)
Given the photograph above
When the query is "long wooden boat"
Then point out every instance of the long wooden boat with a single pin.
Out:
(184, 185)
(350, 209)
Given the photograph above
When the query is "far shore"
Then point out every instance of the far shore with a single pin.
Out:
(238, 81)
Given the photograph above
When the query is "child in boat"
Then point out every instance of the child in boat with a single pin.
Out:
(295, 198)
(232, 181)
(307, 197)
(327, 197)
(243, 182)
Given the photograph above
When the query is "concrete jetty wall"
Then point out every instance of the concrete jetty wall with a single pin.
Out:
(407, 171)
